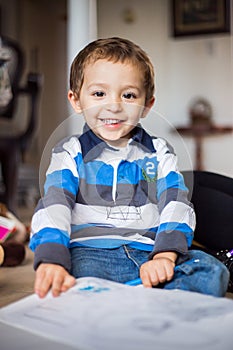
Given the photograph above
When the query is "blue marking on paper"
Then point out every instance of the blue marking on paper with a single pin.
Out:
(93, 289)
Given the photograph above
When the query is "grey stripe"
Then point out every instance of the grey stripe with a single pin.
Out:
(172, 194)
(52, 253)
(127, 194)
(174, 241)
(56, 196)
(109, 231)
(59, 147)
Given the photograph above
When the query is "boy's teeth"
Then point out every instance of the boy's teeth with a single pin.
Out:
(111, 121)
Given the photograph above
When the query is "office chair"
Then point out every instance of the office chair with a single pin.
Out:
(212, 197)
(14, 142)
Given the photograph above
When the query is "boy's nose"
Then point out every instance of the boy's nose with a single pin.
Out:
(114, 105)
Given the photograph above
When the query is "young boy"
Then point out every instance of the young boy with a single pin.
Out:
(115, 204)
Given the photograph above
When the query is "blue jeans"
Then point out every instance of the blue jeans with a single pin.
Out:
(201, 273)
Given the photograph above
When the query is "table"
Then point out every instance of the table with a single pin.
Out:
(199, 132)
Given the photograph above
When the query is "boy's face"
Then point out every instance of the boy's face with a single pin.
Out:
(112, 99)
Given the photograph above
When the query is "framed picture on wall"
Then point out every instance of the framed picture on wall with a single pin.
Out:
(197, 17)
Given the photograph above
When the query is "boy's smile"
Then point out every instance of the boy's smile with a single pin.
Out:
(112, 99)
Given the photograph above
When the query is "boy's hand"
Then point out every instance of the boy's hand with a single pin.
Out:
(158, 270)
(54, 277)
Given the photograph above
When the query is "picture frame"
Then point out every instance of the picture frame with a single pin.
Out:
(199, 17)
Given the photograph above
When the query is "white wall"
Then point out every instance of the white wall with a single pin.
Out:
(185, 68)
(81, 29)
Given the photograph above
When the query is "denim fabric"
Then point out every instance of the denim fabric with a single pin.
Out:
(201, 273)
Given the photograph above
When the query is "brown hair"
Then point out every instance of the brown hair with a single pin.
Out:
(115, 50)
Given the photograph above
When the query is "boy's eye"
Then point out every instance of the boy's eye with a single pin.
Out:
(129, 95)
(98, 93)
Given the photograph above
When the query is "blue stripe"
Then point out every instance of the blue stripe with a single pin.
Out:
(129, 173)
(112, 243)
(75, 228)
(175, 226)
(62, 179)
(101, 243)
(133, 171)
(141, 246)
(153, 229)
(96, 173)
(100, 173)
(78, 159)
(49, 235)
(172, 180)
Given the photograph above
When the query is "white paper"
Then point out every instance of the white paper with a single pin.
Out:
(99, 314)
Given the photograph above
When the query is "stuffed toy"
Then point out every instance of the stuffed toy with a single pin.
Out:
(11, 254)
(12, 238)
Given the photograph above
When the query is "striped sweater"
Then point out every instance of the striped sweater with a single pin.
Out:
(96, 195)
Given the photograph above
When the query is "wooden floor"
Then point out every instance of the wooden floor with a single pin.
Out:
(17, 282)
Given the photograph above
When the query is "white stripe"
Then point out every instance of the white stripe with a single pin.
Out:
(118, 216)
(178, 212)
(135, 238)
(166, 165)
(115, 164)
(72, 146)
(130, 153)
(167, 161)
(160, 145)
(54, 216)
(61, 161)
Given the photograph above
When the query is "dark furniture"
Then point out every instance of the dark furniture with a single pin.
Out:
(212, 197)
(14, 142)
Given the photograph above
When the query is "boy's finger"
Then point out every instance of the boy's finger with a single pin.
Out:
(145, 279)
(69, 282)
(57, 285)
(42, 287)
(170, 273)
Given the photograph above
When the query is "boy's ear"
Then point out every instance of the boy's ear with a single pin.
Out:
(148, 106)
(74, 101)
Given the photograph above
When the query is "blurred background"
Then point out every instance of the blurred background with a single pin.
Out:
(189, 66)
